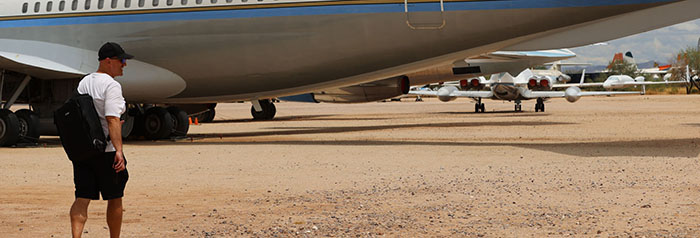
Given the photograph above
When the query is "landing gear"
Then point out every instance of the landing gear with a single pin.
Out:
(207, 116)
(9, 128)
(181, 122)
(267, 113)
(158, 123)
(539, 106)
(28, 126)
(518, 106)
(479, 107)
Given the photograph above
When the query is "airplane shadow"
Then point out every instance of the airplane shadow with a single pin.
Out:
(688, 148)
(343, 129)
(303, 118)
(499, 114)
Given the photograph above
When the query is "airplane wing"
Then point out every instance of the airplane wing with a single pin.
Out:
(616, 84)
(573, 93)
(37, 67)
(651, 83)
(470, 94)
(566, 85)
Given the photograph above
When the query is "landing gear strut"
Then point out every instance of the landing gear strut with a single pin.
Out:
(479, 107)
(518, 106)
(267, 111)
(539, 107)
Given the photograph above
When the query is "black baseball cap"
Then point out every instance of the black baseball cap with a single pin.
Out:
(113, 50)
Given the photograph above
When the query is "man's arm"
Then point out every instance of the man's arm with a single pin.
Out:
(114, 125)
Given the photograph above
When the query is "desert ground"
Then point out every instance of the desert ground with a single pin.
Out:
(602, 167)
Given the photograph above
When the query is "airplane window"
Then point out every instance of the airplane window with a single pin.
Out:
(25, 6)
(37, 6)
(114, 3)
(183, 2)
(229, 1)
(100, 4)
(49, 5)
(142, 2)
(74, 5)
(198, 1)
(87, 4)
(62, 5)
(155, 3)
(213, 1)
(169, 2)
(127, 3)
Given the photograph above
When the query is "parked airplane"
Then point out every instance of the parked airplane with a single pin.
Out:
(204, 52)
(484, 64)
(620, 81)
(526, 86)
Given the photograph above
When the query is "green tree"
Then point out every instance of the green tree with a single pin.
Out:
(688, 57)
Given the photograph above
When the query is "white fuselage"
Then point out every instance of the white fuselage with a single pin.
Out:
(214, 51)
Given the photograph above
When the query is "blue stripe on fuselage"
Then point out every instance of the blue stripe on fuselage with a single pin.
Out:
(135, 16)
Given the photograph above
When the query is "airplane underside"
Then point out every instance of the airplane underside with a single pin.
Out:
(225, 54)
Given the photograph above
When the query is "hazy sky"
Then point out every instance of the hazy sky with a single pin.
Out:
(659, 45)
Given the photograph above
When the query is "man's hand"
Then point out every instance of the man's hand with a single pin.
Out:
(118, 162)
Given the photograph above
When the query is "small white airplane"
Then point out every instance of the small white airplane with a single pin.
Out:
(503, 86)
(623, 81)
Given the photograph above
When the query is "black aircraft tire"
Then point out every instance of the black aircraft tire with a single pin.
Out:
(138, 129)
(207, 116)
(28, 126)
(158, 123)
(268, 111)
(476, 108)
(483, 107)
(181, 122)
(9, 128)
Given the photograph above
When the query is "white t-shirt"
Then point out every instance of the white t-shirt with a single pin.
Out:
(107, 96)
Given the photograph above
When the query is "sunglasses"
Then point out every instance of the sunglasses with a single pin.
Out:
(121, 60)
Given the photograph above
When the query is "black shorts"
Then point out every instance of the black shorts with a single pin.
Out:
(95, 176)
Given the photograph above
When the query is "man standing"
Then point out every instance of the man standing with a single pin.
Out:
(107, 174)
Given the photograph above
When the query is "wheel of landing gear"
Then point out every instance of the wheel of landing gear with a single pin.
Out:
(207, 116)
(483, 108)
(158, 123)
(181, 123)
(268, 111)
(138, 129)
(476, 108)
(537, 107)
(28, 126)
(9, 128)
(542, 107)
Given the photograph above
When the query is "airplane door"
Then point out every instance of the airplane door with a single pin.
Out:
(425, 15)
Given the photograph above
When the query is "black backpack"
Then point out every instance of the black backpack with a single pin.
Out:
(79, 127)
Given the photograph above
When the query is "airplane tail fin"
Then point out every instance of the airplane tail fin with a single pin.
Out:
(627, 57)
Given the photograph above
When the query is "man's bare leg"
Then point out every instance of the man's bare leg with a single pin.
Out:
(78, 216)
(114, 217)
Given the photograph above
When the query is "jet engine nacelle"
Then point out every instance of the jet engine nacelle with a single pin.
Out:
(572, 94)
(539, 83)
(471, 84)
(367, 92)
(563, 78)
